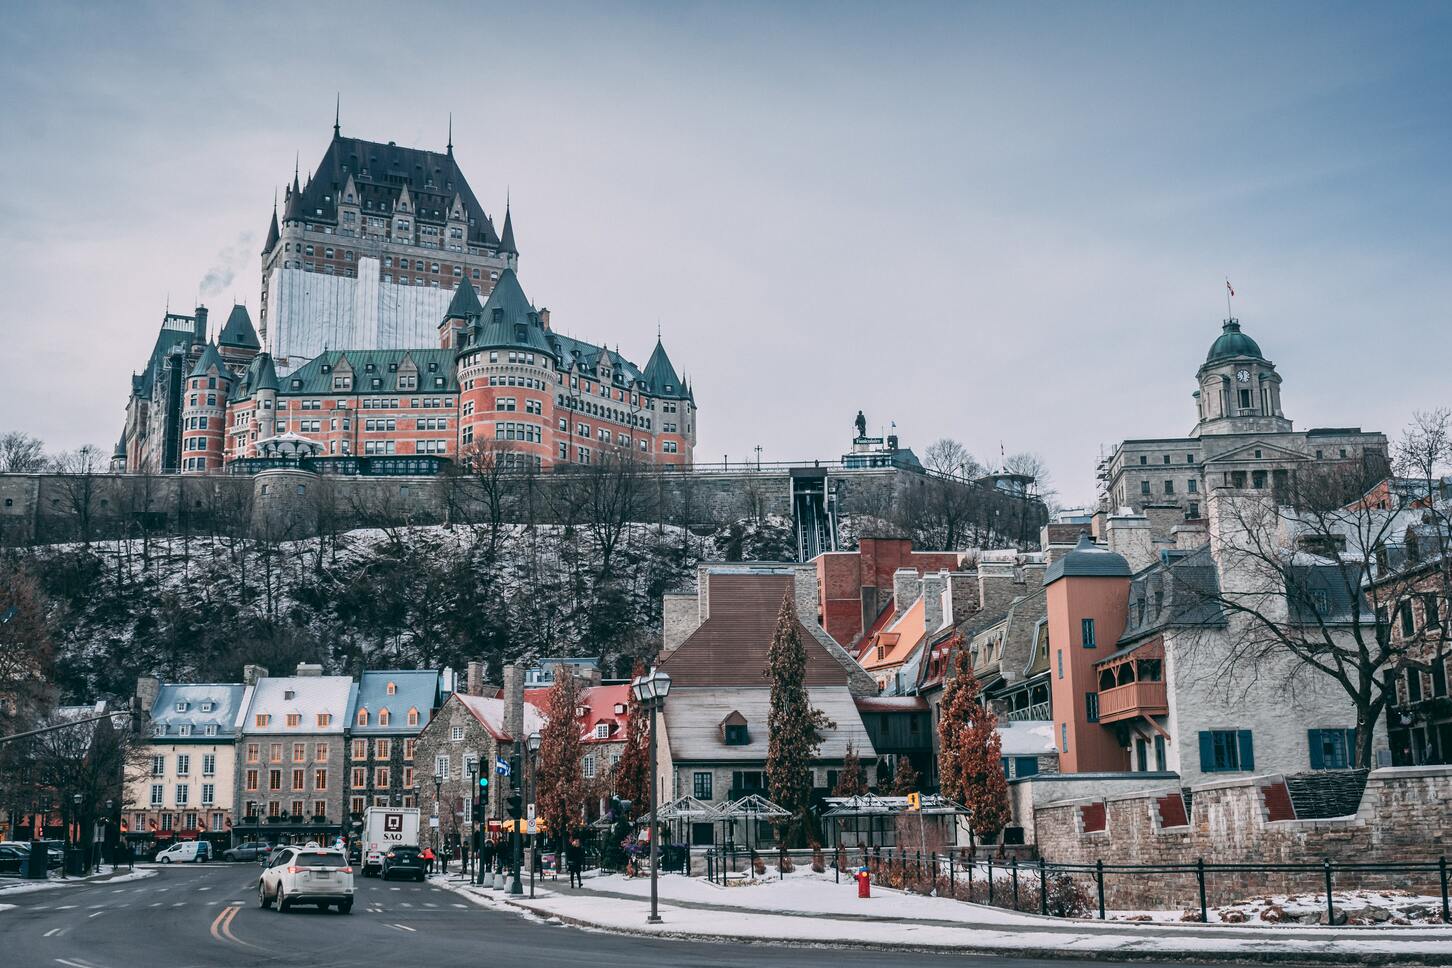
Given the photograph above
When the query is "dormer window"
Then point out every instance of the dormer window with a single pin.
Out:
(185, 729)
(181, 707)
(391, 689)
(413, 717)
(211, 729)
(159, 729)
(581, 710)
(362, 719)
(383, 716)
(289, 694)
(207, 707)
(620, 709)
(602, 730)
(734, 731)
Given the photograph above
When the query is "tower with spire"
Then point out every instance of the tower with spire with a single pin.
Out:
(370, 246)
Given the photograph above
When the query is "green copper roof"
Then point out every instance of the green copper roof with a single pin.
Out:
(465, 302)
(508, 321)
(210, 358)
(266, 373)
(238, 330)
(660, 376)
(1087, 560)
(1232, 343)
(374, 371)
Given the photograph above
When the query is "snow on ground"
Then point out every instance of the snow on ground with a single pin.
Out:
(1360, 907)
(25, 887)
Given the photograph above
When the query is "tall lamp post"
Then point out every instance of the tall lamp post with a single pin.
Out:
(650, 691)
(438, 815)
(532, 779)
(475, 765)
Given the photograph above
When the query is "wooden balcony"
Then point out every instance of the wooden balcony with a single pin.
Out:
(1131, 701)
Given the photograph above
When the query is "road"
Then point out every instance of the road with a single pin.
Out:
(206, 916)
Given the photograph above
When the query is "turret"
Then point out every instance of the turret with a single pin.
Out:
(506, 241)
(204, 413)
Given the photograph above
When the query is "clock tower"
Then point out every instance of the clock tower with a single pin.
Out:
(1240, 390)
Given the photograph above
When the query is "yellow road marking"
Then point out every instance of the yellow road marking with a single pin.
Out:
(222, 927)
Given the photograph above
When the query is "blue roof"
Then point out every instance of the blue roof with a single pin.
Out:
(197, 705)
(413, 689)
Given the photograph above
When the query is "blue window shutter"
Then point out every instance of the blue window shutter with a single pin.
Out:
(1351, 747)
(1313, 740)
(1207, 752)
(1247, 750)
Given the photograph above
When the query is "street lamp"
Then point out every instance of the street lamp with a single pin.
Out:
(650, 691)
(437, 822)
(474, 766)
(531, 778)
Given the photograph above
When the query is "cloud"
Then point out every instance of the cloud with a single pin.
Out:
(229, 262)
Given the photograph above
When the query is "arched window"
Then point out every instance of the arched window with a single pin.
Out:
(362, 717)
(413, 717)
(383, 716)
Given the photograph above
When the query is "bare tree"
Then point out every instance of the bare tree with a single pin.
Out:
(77, 472)
(1307, 585)
(948, 456)
(490, 472)
(21, 453)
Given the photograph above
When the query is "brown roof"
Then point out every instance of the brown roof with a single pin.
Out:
(730, 648)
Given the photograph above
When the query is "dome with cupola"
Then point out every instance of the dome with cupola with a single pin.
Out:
(1232, 344)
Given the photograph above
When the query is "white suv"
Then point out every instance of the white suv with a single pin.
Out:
(307, 875)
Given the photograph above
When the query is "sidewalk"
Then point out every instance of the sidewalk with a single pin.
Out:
(812, 910)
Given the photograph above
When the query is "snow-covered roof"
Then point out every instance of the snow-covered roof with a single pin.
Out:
(196, 705)
(489, 710)
(307, 696)
(1026, 738)
(694, 715)
(412, 689)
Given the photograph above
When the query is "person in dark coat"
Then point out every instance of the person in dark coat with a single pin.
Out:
(575, 858)
(486, 855)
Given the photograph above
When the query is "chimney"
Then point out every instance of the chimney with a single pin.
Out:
(251, 673)
(963, 595)
(474, 679)
(1056, 540)
(1188, 537)
(544, 317)
(1033, 575)
(1130, 535)
(199, 331)
(996, 587)
(934, 586)
(906, 587)
(310, 670)
(147, 689)
(448, 680)
(514, 701)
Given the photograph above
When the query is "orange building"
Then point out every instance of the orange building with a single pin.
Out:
(1088, 603)
(855, 588)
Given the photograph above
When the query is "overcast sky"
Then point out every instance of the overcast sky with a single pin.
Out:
(1005, 223)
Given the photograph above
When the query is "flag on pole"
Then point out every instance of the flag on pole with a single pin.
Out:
(1228, 286)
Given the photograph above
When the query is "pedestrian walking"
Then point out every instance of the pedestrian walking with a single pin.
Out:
(427, 856)
(486, 855)
(575, 858)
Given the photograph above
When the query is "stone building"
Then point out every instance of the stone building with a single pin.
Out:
(390, 709)
(182, 788)
(1241, 438)
(290, 781)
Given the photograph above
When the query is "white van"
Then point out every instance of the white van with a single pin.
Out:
(184, 852)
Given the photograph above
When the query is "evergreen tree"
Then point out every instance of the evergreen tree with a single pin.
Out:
(850, 782)
(905, 778)
(560, 781)
(632, 773)
(794, 726)
(970, 767)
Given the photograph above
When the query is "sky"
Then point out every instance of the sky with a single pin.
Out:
(1009, 224)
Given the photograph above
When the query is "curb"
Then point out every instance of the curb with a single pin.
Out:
(1188, 954)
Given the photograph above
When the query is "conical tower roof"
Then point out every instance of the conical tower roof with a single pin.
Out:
(506, 237)
(465, 302)
(210, 358)
(266, 374)
(272, 233)
(660, 376)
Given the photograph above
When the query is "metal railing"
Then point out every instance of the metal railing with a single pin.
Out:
(1039, 711)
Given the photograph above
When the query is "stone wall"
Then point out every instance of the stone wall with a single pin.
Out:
(1404, 816)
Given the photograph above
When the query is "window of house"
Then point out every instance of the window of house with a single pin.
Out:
(1086, 631)
(1144, 487)
(413, 717)
(362, 717)
(602, 730)
(441, 765)
(1414, 685)
(587, 766)
(383, 749)
(1404, 613)
(457, 734)
(320, 779)
(294, 719)
(360, 749)
(324, 720)
(183, 765)
(1061, 663)
(1169, 487)
(408, 748)
(1192, 485)
(1091, 706)
(1063, 737)
(209, 764)
(701, 785)
(1431, 614)
(1226, 750)
(1331, 749)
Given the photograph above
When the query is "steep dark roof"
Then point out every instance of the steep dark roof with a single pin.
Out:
(660, 374)
(1087, 560)
(508, 320)
(238, 331)
(465, 302)
(379, 172)
(1178, 590)
(209, 358)
(315, 377)
(1232, 343)
(266, 373)
(273, 234)
(506, 238)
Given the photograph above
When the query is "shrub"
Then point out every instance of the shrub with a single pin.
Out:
(819, 863)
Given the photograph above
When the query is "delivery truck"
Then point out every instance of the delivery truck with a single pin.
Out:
(385, 828)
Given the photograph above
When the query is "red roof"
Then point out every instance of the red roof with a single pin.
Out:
(599, 704)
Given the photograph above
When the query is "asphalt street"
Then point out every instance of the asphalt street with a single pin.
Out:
(207, 916)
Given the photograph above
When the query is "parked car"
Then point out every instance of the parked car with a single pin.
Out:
(252, 850)
(307, 875)
(12, 860)
(403, 861)
(185, 852)
(53, 856)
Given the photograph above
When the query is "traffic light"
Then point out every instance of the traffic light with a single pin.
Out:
(483, 783)
(515, 804)
(915, 801)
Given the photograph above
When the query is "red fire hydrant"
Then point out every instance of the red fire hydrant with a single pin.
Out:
(864, 883)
